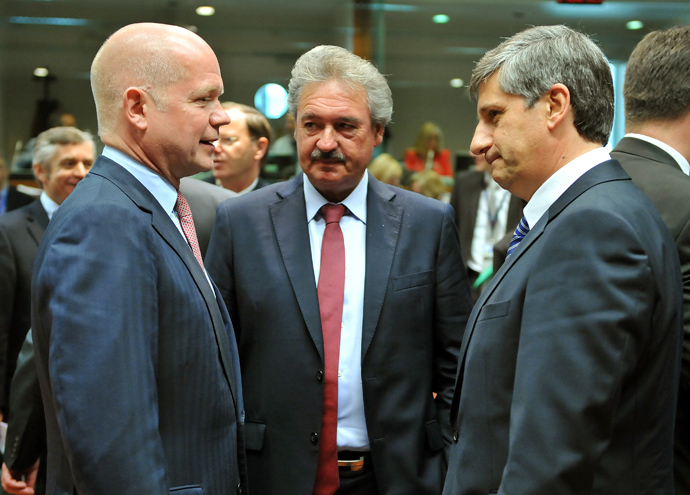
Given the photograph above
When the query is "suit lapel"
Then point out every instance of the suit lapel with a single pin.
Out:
(289, 217)
(384, 218)
(36, 221)
(164, 226)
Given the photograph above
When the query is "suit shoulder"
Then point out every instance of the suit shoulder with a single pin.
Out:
(15, 218)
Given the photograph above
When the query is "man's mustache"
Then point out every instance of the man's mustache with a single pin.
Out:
(317, 154)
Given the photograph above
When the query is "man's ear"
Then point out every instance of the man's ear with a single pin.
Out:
(378, 129)
(136, 104)
(40, 173)
(557, 104)
(261, 148)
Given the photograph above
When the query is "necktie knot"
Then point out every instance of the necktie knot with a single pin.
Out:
(332, 213)
(520, 232)
(181, 206)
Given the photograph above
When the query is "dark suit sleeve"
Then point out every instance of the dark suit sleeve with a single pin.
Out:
(26, 432)
(8, 282)
(683, 244)
(97, 290)
(585, 326)
(218, 266)
(453, 306)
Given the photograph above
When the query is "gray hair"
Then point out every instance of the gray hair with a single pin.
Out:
(47, 142)
(324, 63)
(150, 69)
(657, 79)
(529, 63)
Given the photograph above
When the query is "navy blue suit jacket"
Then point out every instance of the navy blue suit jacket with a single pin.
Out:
(416, 302)
(569, 365)
(134, 350)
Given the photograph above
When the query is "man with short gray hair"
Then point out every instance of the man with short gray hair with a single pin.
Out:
(568, 372)
(348, 333)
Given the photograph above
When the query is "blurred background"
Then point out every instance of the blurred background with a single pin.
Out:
(426, 47)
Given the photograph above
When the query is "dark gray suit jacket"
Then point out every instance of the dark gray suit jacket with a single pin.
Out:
(569, 365)
(203, 199)
(134, 350)
(661, 179)
(26, 431)
(21, 232)
(416, 301)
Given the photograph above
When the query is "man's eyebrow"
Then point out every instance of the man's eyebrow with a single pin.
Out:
(310, 115)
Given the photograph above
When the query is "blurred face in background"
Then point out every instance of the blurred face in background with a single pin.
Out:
(68, 166)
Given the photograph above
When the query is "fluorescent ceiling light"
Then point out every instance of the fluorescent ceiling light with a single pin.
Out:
(49, 21)
(441, 18)
(205, 10)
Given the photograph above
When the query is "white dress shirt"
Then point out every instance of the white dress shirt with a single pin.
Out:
(489, 226)
(559, 182)
(352, 430)
(48, 204)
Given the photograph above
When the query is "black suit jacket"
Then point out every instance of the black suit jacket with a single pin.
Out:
(416, 302)
(26, 431)
(661, 179)
(569, 365)
(16, 199)
(21, 232)
(134, 351)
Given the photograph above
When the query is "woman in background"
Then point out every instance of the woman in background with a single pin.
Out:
(428, 152)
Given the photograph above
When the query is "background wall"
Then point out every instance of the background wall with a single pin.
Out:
(257, 42)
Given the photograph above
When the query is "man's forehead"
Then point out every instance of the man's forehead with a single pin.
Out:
(67, 150)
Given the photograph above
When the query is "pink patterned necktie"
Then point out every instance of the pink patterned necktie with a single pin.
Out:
(331, 290)
(187, 222)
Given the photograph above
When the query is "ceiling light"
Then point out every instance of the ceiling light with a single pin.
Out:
(41, 72)
(634, 25)
(49, 21)
(205, 11)
(457, 82)
(441, 18)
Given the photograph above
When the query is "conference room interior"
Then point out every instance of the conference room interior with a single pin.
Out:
(427, 49)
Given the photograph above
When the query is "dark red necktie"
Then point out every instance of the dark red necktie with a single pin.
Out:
(187, 223)
(331, 290)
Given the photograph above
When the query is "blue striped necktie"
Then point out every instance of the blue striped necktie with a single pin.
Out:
(520, 233)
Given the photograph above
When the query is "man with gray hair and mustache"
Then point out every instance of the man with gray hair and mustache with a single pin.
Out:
(348, 298)
(568, 371)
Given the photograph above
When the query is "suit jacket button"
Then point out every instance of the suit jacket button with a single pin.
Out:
(456, 434)
(314, 437)
(239, 489)
(319, 375)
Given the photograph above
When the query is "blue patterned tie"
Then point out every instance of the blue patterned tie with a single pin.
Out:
(520, 232)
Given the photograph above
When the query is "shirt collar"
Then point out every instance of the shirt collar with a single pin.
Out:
(48, 204)
(162, 190)
(680, 159)
(356, 202)
(233, 194)
(554, 187)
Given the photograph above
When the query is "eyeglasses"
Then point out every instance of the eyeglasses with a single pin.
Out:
(228, 140)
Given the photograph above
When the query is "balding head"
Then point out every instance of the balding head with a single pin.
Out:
(146, 56)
